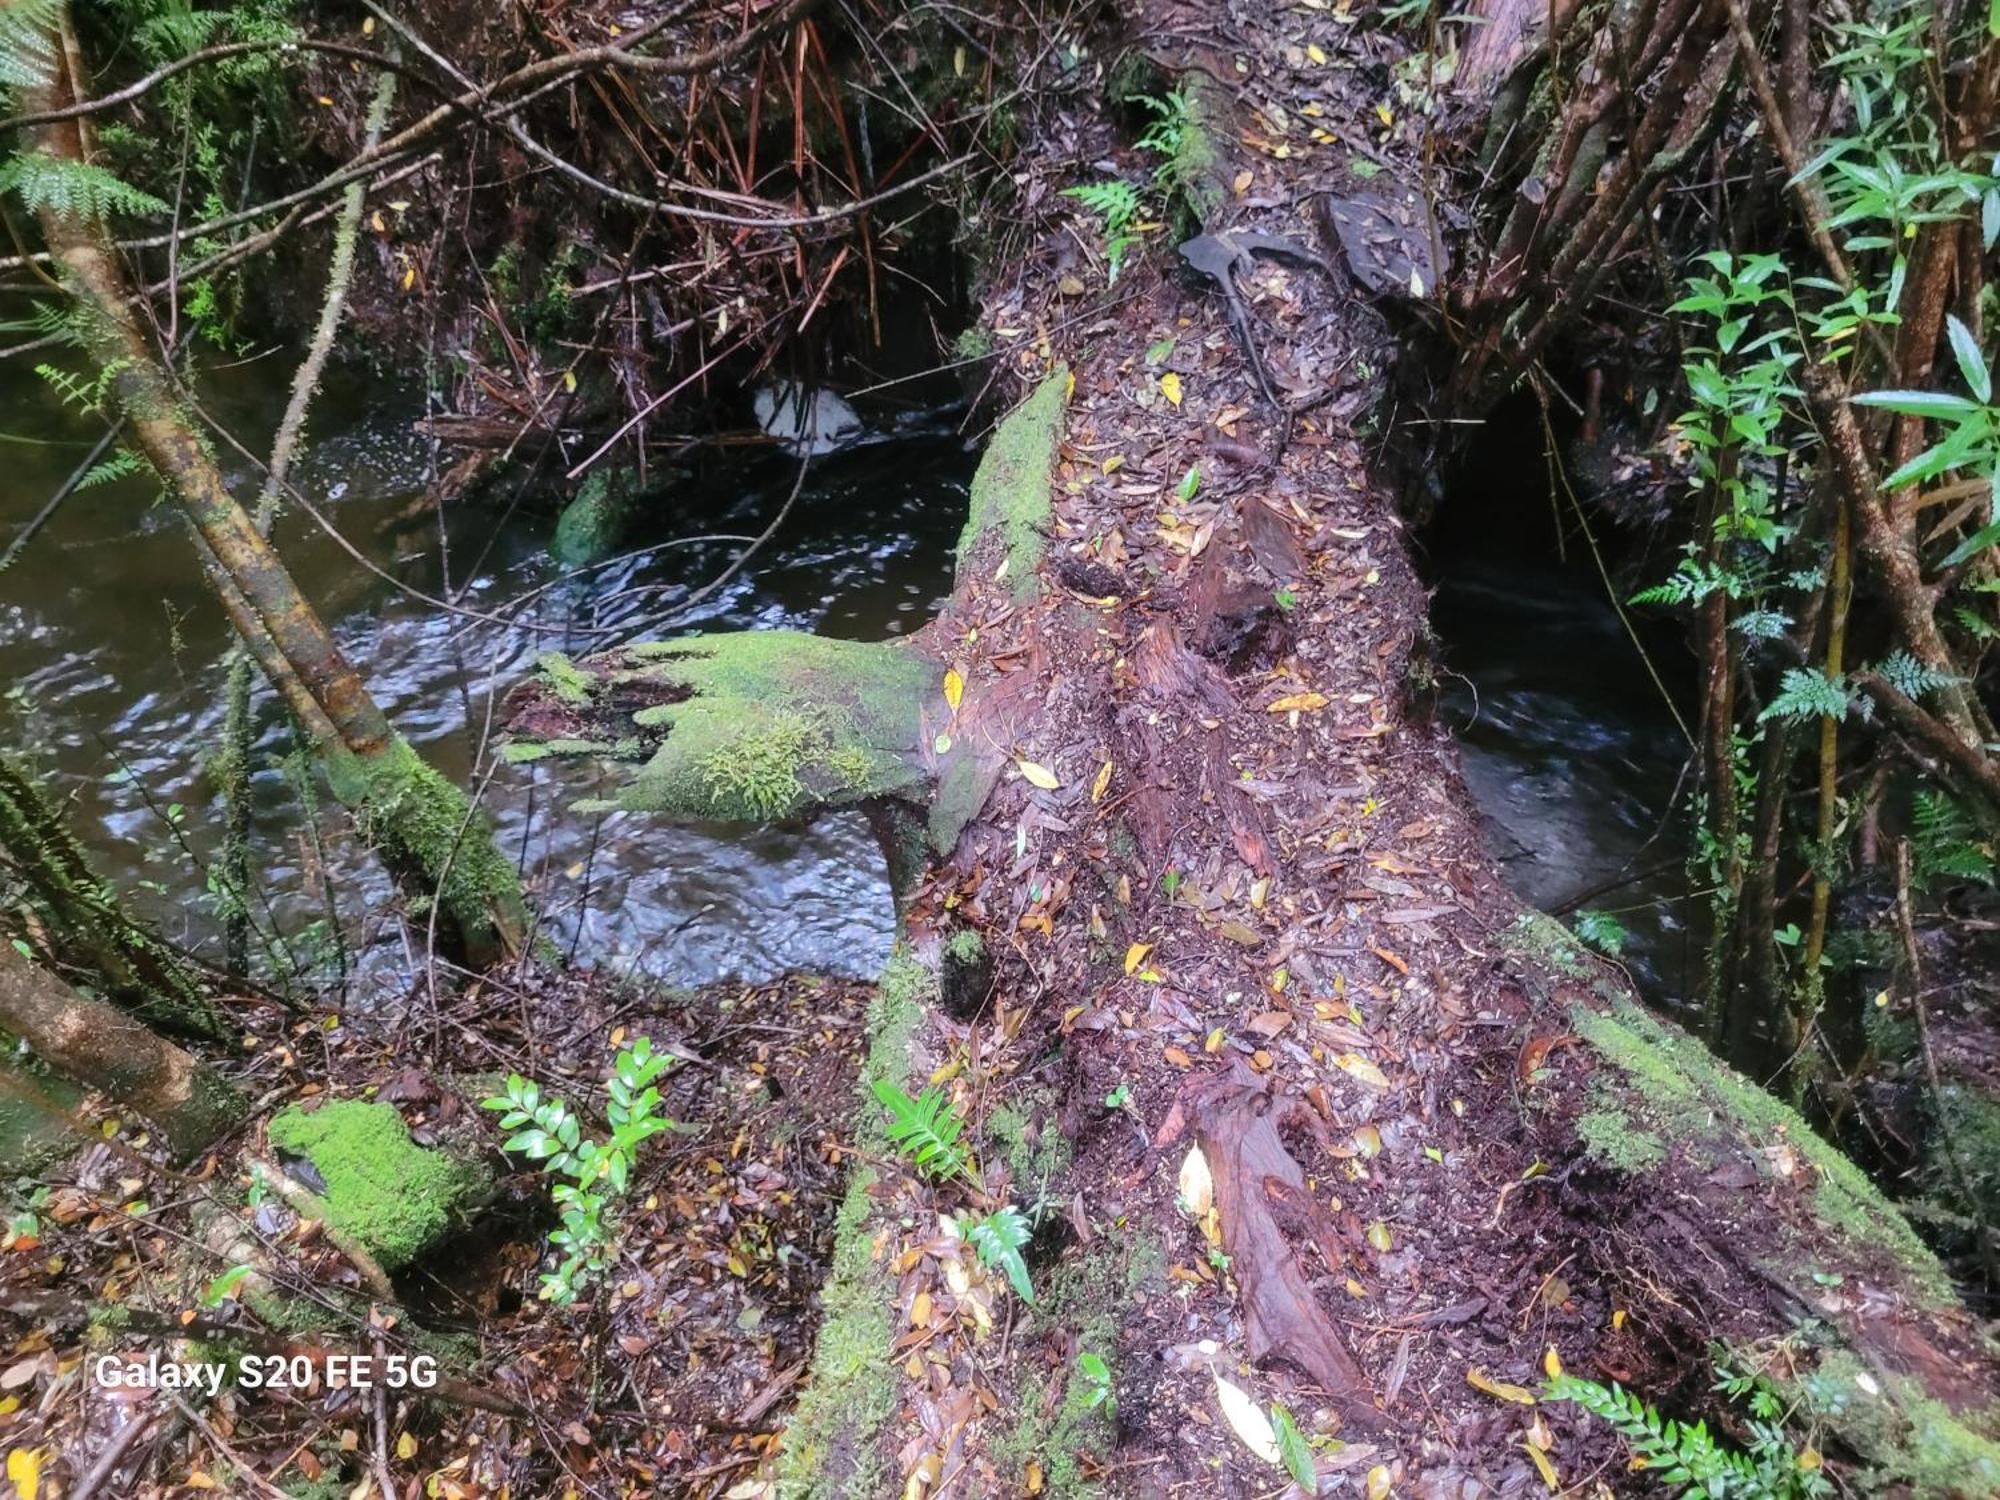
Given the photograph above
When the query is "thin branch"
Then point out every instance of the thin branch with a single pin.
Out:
(141, 87)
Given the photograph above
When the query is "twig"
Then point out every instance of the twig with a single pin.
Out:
(273, 1177)
(68, 487)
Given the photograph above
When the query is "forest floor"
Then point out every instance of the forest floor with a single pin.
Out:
(1306, 1109)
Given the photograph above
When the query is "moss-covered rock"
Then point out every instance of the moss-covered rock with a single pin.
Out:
(386, 1193)
(594, 523)
(1007, 523)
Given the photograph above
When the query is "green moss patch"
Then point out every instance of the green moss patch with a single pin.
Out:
(1910, 1444)
(1090, 1294)
(1681, 1092)
(831, 1450)
(1008, 520)
(435, 842)
(384, 1191)
(767, 724)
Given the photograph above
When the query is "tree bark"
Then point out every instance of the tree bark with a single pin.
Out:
(101, 1047)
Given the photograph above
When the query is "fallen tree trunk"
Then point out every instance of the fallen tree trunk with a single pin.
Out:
(1301, 1102)
(101, 1047)
(422, 827)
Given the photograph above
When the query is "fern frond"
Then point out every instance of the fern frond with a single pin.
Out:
(73, 189)
(1912, 678)
(121, 465)
(1807, 693)
(925, 1129)
(28, 43)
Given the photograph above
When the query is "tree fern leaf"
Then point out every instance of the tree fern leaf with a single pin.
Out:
(28, 43)
(73, 189)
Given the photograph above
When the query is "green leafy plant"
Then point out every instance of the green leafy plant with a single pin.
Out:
(926, 1129)
(597, 1173)
(73, 189)
(1945, 846)
(1601, 930)
(27, 43)
(1688, 1460)
(1000, 1237)
(1117, 206)
(1096, 1377)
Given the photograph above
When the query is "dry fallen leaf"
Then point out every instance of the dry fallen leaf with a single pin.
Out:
(1036, 774)
(1357, 1066)
(1097, 787)
(24, 1472)
(1297, 703)
(1479, 1380)
(954, 688)
(1136, 955)
(1247, 1420)
(1170, 387)
(1197, 1184)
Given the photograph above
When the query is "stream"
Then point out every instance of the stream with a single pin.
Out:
(1569, 746)
(111, 651)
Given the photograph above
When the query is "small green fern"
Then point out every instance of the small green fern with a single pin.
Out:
(1807, 693)
(1686, 1459)
(73, 189)
(926, 1129)
(1945, 847)
(1912, 678)
(1117, 205)
(121, 465)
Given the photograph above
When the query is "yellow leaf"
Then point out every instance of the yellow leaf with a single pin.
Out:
(1380, 1237)
(1170, 387)
(24, 1471)
(1357, 1066)
(1297, 703)
(1617, 1319)
(409, 278)
(1552, 1362)
(406, 1446)
(1136, 955)
(1479, 1380)
(1548, 1470)
(1380, 1482)
(1098, 787)
(954, 688)
(1036, 774)
(1316, 53)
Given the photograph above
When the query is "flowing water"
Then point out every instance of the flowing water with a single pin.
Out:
(111, 651)
(1569, 746)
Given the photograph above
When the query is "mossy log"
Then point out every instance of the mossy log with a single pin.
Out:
(1763, 1207)
(82, 923)
(769, 725)
(375, 1187)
